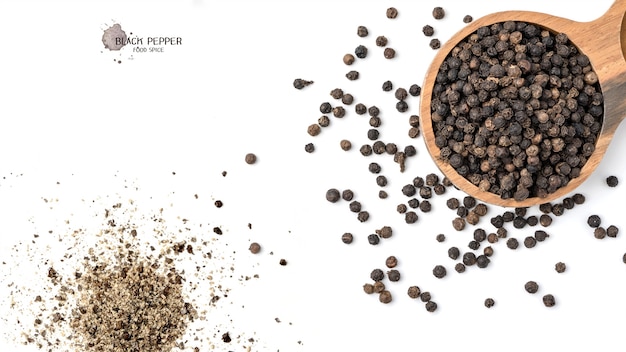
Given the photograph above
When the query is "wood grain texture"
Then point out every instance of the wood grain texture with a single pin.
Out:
(602, 40)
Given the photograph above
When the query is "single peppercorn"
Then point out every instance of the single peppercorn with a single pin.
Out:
(425, 296)
(492, 238)
(482, 261)
(612, 231)
(362, 216)
(548, 300)
(578, 198)
(414, 292)
(282, 262)
(502, 232)
(489, 302)
(415, 90)
(473, 245)
(345, 145)
(438, 13)
(384, 232)
(375, 121)
(381, 181)
(545, 220)
(361, 31)
(401, 208)
(333, 195)
(410, 217)
(326, 108)
(531, 287)
(425, 206)
(439, 189)
(462, 211)
(599, 232)
(361, 51)
(347, 238)
(250, 158)
(467, 19)
(336, 93)
(488, 251)
(559, 267)
(314, 129)
(360, 109)
(352, 76)
(368, 288)
(366, 150)
(219, 204)
(593, 221)
(323, 121)
(568, 203)
(512, 243)
(374, 168)
(377, 275)
(385, 297)
(373, 134)
(381, 41)
(558, 209)
(391, 262)
(392, 13)
(431, 306)
(389, 53)
(378, 147)
(393, 275)
(309, 147)
(480, 235)
(469, 258)
(299, 83)
(440, 238)
(348, 59)
(452, 203)
(428, 30)
(382, 194)
(387, 86)
(530, 242)
(497, 221)
(435, 44)
(254, 248)
(379, 287)
(453, 253)
(373, 111)
(410, 150)
(532, 220)
(541, 236)
(439, 271)
(339, 112)
(459, 267)
(458, 224)
(355, 206)
(612, 181)
(347, 195)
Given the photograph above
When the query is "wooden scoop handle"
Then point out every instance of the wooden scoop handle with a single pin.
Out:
(602, 40)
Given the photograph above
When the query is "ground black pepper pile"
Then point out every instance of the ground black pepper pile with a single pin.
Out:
(516, 110)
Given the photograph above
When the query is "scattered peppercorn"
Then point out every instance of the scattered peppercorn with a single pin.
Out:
(438, 13)
(401, 208)
(219, 203)
(360, 51)
(428, 30)
(373, 239)
(345, 144)
(599, 232)
(541, 236)
(488, 251)
(530, 242)
(392, 12)
(314, 129)
(385, 297)
(283, 262)
(467, 19)
(377, 275)
(391, 262)
(458, 224)
(410, 217)
(512, 243)
(336, 93)
(352, 76)
(250, 158)
(473, 245)
(385, 232)
(453, 253)
(379, 287)
(459, 267)
(578, 198)
(489, 302)
(612, 181)
(387, 86)
(347, 238)
(440, 238)
(414, 292)
(435, 44)
(363, 216)
(368, 288)
(381, 41)
(452, 203)
(339, 112)
(348, 59)
(360, 109)
(394, 275)
(362, 31)
(531, 287)
(309, 147)
(431, 306)
(254, 248)
(425, 296)
(333, 195)
(612, 231)
(299, 83)
(559, 267)
(593, 221)
(469, 258)
(548, 300)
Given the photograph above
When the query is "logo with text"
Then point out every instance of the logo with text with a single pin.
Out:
(116, 40)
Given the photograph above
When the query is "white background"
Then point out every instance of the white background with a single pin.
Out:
(70, 114)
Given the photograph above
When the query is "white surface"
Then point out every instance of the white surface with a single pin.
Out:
(70, 114)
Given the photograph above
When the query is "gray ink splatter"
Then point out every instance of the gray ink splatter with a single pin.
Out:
(114, 38)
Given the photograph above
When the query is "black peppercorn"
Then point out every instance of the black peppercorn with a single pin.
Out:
(480, 235)
(299, 83)
(345, 144)
(387, 86)
(474, 245)
(532, 220)
(347, 238)
(392, 13)
(452, 203)
(382, 194)
(401, 208)
(394, 275)
(548, 300)
(351, 76)
(336, 93)
(385, 232)
(482, 261)
(373, 239)
(512, 243)
(348, 59)
(323, 121)
(360, 51)
(309, 147)
(519, 222)
(599, 232)
(439, 271)
(414, 292)
(578, 198)
(459, 267)
(440, 237)
(425, 296)
(366, 150)
(409, 190)
(360, 109)
(374, 168)
(458, 224)
(428, 30)
(377, 275)
(355, 206)
(373, 111)
(391, 262)
(453, 253)
(347, 195)
(372, 134)
(469, 202)
(368, 288)
(612, 181)
(467, 19)
(413, 203)
(425, 206)
(435, 44)
(489, 302)
(410, 150)
(541, 236)
(612, 231)
(530, 242)
(410, 217)
(333, 195)
(381, 41)
(438, 13)
(531, 287)
(488, 251)
(362, 31)
(545, 220)
(381, 181)
(469, 259)
(389, 53)
(593, 221)
(362, 216)
(415, 90)
(560, 267)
